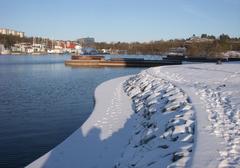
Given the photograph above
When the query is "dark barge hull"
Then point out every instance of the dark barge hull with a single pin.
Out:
(125, 63)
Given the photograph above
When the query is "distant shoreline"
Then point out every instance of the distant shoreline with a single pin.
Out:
(27, 54)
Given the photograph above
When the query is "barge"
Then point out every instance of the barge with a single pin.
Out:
(100, 61)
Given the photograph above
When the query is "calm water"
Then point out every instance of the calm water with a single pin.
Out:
(42, 102)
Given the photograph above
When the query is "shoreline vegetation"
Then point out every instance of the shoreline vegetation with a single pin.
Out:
(204, 46)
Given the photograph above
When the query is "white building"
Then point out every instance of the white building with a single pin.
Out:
(39, 48)
(56, 50)
(29, 50)
(178, 51)
(11, 32)
(87, 46)
(22, 48)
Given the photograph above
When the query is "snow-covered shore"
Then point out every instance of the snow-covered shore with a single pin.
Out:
(164, 133)
(101, 139)
(215, 94)
(173, 116)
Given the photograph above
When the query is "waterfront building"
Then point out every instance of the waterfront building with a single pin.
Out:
(11, 32)
(88, 42)
(180, 51)
(85, 50)
(29, 50)
(58, 49)
(177, 53)
(21, 47)
(39, 48)
(70, 47)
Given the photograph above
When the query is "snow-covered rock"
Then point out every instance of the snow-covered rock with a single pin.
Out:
(164, 124)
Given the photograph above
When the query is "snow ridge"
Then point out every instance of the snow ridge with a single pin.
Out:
(164, 129)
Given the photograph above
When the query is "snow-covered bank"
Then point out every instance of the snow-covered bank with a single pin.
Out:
(178, 116)
(164, 132)
(215, 94)
(159, 133)
(101, 139)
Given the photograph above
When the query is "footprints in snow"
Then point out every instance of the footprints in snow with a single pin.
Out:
(112, 115)
(225, 122)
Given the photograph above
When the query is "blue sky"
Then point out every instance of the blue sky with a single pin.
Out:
(121, 20)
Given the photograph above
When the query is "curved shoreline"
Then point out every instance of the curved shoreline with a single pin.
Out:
(160, 130)
(100, 140)
(116, 135)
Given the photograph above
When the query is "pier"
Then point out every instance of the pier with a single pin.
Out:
(100, 61)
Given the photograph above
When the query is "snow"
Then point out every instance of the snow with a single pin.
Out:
(214, 91)
(101, 139)
(170, 116)
(165, 124)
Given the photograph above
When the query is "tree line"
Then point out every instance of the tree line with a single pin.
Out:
(211, 47)
(9, 40)
(208, 48)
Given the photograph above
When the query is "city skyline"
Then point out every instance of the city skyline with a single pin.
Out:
(121, 21)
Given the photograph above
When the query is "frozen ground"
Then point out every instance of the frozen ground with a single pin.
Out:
(173, 116)
(102, 138)
(164, 132)
(215, 94)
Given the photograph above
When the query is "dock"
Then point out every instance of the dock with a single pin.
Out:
(100, 61)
